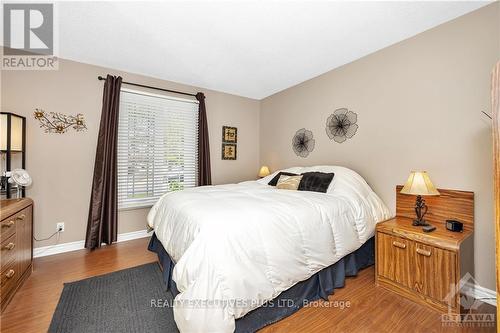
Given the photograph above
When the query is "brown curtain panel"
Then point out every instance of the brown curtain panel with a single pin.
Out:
(102, 222)
(204, 172)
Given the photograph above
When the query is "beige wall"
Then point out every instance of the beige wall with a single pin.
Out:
(62, 165)
(419, 106)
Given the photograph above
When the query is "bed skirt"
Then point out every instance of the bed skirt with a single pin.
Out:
(320, 285)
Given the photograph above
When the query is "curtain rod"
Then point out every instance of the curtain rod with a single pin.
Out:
(100, 78)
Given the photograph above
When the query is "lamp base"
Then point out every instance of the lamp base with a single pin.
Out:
(420, 223)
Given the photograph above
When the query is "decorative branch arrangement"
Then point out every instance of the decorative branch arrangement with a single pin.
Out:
(55, 122)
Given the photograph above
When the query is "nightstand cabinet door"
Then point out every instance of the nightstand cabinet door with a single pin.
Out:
(394, 259)
(434, 272)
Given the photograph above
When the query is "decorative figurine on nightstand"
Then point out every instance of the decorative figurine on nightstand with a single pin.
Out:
(419, 184)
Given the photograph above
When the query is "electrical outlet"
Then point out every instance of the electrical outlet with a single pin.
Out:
(60, 227)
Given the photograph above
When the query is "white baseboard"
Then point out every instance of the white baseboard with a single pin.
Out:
(80, 245)
(481, 293)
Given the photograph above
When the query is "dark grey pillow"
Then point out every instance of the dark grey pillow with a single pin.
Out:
(274, 181)
(315, 181)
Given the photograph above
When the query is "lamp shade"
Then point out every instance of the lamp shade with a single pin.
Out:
(419, 183)
(3, 131)
(264, 171)
(16, 132)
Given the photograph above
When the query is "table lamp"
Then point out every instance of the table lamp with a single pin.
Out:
(12, 148)
(264, 171)
(419, 184)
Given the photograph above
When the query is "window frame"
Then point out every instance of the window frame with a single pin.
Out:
(147, 93)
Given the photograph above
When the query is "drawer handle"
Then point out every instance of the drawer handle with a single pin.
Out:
(21, 217)
(423, 252)
(399, 244)
(8, 224)
(9, 246)
(10, 273)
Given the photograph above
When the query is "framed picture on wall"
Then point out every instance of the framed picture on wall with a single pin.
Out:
(229, 134)
(228, 151)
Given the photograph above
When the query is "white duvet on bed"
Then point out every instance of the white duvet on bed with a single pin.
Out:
(236, 246)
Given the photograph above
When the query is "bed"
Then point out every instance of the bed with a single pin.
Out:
(232, 249)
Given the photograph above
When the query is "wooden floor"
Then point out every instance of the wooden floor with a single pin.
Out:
(371, 309)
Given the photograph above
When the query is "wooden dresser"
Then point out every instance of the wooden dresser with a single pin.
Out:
(427, 267)
(16, 246)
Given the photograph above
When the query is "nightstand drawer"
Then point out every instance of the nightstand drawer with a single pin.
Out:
(393, 258)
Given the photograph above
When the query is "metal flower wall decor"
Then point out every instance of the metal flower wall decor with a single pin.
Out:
(54, 122)
(341, 125)
(303, 142)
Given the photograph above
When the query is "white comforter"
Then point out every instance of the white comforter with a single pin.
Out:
(237, 246)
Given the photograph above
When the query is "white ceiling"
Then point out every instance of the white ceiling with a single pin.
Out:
(251, 48)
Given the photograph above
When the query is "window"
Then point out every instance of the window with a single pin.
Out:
(157, 147)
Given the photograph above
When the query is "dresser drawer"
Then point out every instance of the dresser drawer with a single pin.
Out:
(7, 251)
(7, 228)
(9, 225)
(8, 278)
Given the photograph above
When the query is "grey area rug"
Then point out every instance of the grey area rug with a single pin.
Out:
(116, 302)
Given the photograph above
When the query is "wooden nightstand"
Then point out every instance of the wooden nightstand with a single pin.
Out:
(427, 267)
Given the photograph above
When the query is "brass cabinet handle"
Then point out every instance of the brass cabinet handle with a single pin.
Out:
(10, 273)
(399, 244)
(9, 246)
(8, 224)
(21, 217)
(423, 252)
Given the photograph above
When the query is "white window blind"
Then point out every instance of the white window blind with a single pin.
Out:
(157, 147)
